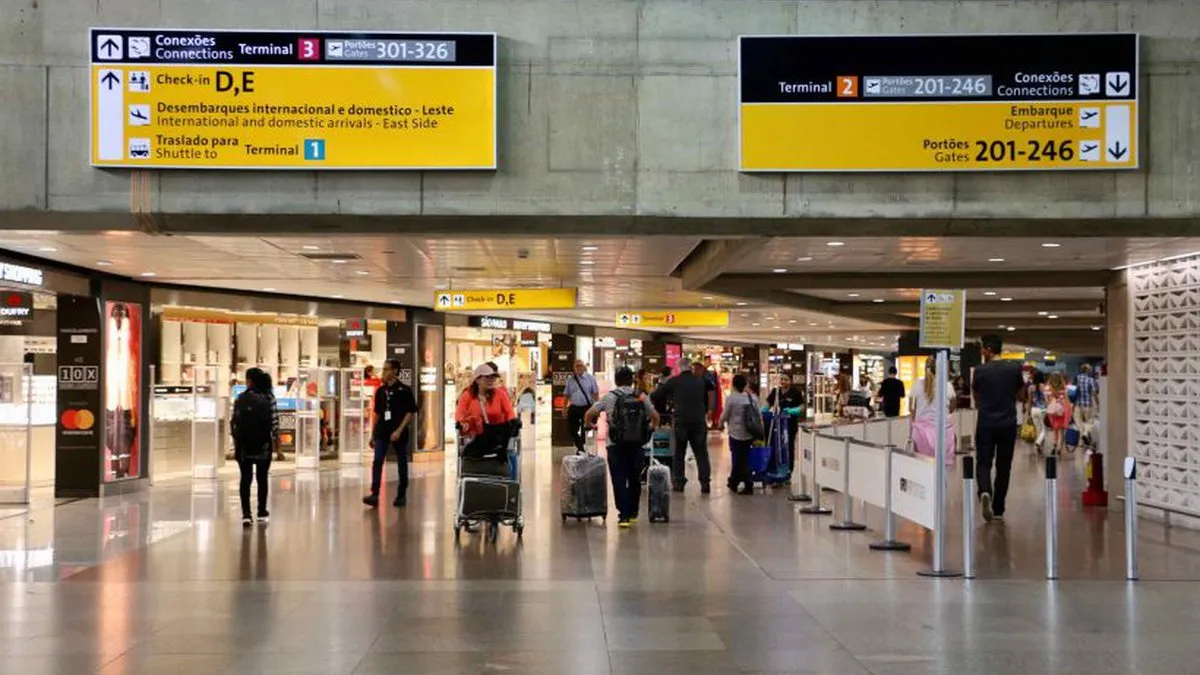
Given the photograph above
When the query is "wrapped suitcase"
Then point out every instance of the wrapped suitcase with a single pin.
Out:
(658, 481)
(584, 487)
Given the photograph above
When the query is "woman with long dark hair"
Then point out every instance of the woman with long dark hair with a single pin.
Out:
(255, 427)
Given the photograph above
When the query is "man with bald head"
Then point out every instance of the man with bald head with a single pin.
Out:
(688, 394)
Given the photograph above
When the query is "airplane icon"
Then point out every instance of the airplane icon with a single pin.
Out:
(139, 115)
(1089, 118)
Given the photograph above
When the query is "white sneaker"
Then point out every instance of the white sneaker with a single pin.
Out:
(247, 522)
(985, 506)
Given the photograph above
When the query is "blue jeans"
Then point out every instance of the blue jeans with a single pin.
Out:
(381, 450)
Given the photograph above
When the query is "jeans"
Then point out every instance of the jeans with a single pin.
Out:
(248, 468)
(695, 434)
(995, 443)
(575, 415)
(741, 463)
(625, 466)
(381, 449)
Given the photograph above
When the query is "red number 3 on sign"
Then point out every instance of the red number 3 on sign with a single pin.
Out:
(309, 49)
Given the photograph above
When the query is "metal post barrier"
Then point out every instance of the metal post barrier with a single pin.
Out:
(847, 521)
(1131, 519)
(889, 543)
(1051, 517)
(939, 568)
(804, 495)
(968, 481)
(815, 508)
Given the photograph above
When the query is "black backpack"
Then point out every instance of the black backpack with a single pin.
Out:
(628, 424)
(252, 430)
(752, 420)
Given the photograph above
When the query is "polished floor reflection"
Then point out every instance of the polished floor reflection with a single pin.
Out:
(169, 582)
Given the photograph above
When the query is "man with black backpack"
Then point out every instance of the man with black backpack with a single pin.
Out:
(255, 428)
(630, 416)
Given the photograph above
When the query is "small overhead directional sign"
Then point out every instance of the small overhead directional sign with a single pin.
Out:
(684, 318)
(943, 318)
(938, 102)
(504, 298)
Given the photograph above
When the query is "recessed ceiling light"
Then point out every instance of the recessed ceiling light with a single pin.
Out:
(780, 270)
(1050, 244)
(591, 248)
(338, 297)
(47, 249)
(995, 259)
(708, 297)
(1052, 316)
(397, 302)
(362, 273)
(806, 258)
(812, 323)
(989, 293)
(338, 261)
(791, 321)
(1005, 299)
(1011, 328)
(310, 247)
(835, 243)
(755, 325)
(1095, 327)
(1043, 313)
(269, 289)
(104, 263)
(1001, 326)
(149, 274)
(853, 295)
(877, 300)
(741, 304)
(585, 261)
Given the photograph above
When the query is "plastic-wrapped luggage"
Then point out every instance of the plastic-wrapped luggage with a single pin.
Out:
(658, 484)
(584, 487)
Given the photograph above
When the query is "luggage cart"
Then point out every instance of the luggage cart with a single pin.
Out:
(489, 489)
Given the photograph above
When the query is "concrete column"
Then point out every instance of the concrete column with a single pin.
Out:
(1115, 397)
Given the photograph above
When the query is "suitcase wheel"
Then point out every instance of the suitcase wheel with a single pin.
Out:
(564, 518)
(493, 531)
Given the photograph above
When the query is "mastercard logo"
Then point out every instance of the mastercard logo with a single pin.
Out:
(78, 420)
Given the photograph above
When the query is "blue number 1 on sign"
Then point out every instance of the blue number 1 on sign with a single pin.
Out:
(314, 149)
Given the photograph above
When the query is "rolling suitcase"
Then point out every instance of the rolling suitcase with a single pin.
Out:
(584, 487)
(658, 483)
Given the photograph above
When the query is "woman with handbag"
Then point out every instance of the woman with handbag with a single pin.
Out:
(1035, 409)
(923, 429)
(1058, 410)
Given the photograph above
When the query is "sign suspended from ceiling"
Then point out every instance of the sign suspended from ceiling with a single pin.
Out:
(943, 318)
(684, 318)
(938, 102)
(221, 99)
(492, 299)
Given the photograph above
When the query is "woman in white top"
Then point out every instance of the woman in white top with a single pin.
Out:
(923, 406)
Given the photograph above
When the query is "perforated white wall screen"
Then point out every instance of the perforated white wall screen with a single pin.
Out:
(1165, 377)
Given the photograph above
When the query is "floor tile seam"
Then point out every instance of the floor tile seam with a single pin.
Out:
(709, 516)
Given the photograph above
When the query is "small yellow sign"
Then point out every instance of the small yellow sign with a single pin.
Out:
(943, 318)
(673, 319)
(504, 298)
(939, 137)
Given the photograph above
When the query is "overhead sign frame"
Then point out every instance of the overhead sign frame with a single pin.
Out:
(494, 299)
(943, 318)
(285, 62)
(668, 318)
(783, 87)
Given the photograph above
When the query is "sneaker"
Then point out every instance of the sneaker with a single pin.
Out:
(264, 517)
(677, 488)
(985, 506)
(997, 516)
(705, 489)
(633, 520)
(247, 521)
(371, 500)
(624, 523)
(401, 501)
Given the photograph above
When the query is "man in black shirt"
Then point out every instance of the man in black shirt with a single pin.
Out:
(891, 392)
(688, 394)
(392, 415)
(998, 387)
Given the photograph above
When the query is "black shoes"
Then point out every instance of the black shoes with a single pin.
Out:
(264, 517)
(371, 500)
(400, 502)
(705, 488)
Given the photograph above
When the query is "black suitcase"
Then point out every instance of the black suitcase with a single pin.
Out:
(494, 496)
(658, 484)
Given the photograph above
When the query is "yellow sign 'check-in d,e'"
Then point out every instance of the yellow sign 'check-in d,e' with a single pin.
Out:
(504, 298)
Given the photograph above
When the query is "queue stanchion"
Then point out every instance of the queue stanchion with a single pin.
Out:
(804, 495)
(889, 542)
(968, 485)
(1131, 519)
(815, 508)
(847, 522)
(1051, 517)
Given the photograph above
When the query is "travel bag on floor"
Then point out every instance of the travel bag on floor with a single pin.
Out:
(584, 487)
(658, 487)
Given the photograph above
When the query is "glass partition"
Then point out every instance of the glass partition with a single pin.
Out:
(172, 408)
(308, 418)
(16, 431)
(208, 450)
(355, 406)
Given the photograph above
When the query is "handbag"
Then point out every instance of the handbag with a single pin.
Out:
(1054, 407)
(1028, 432)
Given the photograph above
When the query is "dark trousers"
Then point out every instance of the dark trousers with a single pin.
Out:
(248, 467)
(575, 415)
(995, 443)
(400, 447)
(696, 435)
(625, 466)
(740, 473)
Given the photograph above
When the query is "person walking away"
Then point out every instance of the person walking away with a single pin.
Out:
(744, 418)
(1058, 411)
(393, 412)
(581, 392)
(891, 393)
(688, 395)
(1035, 406)
(1087, 398)
(255, 428)
(630, 416)
(998, 388)
(923, 427)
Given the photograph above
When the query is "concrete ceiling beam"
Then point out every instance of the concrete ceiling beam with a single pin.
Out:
(757, 283)
(994, 307)
(711, 258)
(1037, 323)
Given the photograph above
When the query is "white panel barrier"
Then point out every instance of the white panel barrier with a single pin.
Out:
(831, 465)
(878, 431)
(868, 469)
(966, 428)
(913, 479)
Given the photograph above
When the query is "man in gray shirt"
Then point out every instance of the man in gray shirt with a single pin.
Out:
(688, 393)
(998, 387)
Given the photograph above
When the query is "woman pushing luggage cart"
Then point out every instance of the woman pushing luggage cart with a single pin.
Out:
(489, 475)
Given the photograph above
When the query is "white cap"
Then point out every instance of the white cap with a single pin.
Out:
(484, 371)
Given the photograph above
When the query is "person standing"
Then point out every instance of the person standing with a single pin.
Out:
(255, 428)
(737, 407)
(392, 415)
(581, 392)
(998, 386)
(891, 393)
(688, 395)
(787, 399)
(630, 416)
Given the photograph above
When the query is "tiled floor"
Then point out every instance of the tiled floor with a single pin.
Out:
(169, 582)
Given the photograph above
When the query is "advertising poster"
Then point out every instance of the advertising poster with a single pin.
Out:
(430, 343)
(77, 434)
(122, 390)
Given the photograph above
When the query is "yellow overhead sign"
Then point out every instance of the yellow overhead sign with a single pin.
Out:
(504, 298)
(213, 99)
(943, 318)
(684, 318)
